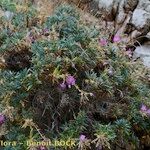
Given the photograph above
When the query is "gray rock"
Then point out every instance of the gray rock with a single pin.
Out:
(106, 7)
(131, 17)
(130, 5)
(117, 10)
(144, 53)
(141, 16)
(121, 15)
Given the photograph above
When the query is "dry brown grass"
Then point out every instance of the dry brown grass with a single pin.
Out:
(46, 7)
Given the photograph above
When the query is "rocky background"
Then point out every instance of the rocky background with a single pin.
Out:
(130, 18)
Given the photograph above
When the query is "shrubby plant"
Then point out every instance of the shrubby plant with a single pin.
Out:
(60, 79)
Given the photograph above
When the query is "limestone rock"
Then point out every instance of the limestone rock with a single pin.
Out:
(121, 15)
(107, 8)
(141, 16)
(117, 10)
(130, 5)
(144, 53)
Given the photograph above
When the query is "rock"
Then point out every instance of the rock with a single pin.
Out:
(107, 8)
(117, 10)
(140, 18)
(130, 5)
(148, 35)
(131, 17)
(121, 30)
(93, 8)
(144, 53)
(121, 15)
(107, 5)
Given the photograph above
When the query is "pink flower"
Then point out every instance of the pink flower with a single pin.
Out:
(82, 138)
(2, 119)
(143, 108)
(103, 42)
(62, 86)
(116, 38)
(70, 80)
(148, 112)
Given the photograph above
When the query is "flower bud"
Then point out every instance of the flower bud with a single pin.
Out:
(103, 42)
(62, 86)
(116, 38)
(82, 138)
(2, 119)
(70, 80)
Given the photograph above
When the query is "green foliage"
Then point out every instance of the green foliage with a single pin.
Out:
(105, 130)
(47, 53)
(75, 127)
(8, 5)
(123, 127)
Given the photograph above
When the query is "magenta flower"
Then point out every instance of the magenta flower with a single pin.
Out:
(2, 119)
(62, 86)
(70, 80)
(143, 108)
(116, 38)
(82, 138)
(148, 112)
(103, 42)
